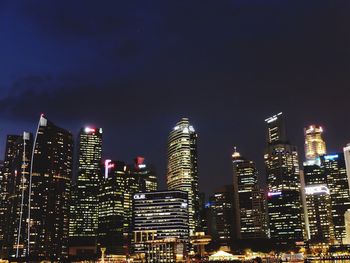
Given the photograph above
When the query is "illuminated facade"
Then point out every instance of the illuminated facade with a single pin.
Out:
(110, 232)
(224, 219)
(10, 149)
(283, 181)
(182, 173)
(250, 200)
(319, 212)
(314, 144)
(347, 227)
(169, 250)
(84, 205)
(158, 216)
(132, 185)
(17, 159)
(275, 128)
(2, 204)
(337, 182)
(48, 206)
(347, 161)
(145, 174)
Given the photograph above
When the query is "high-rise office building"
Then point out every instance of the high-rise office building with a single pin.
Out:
(283, 181)
(314, 173)
(2, 209)
(317, 204)
(84, 201)
(49, 191)
(347, 227)
(223, 211)
(133, 182)
(347, 161)
(182, 172)
(110, 232)
(249, 199)
(17, 171)
(10, 149)
(160, 215)
(275, 129)
(338, 185)
(314, 143)
(319, 213)
(145, 174)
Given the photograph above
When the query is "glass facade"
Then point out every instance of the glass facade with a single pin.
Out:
(319, 212)
(49, 188)
(84, 202)
(250, 200)
(182, 171)
(17, 160)
(337, 182)
(223, 213)
(283, 180)
(160, 215)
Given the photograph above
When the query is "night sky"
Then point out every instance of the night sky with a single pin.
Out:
(135, 68)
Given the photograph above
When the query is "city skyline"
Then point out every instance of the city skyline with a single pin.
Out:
(134, 69)
(208, 189)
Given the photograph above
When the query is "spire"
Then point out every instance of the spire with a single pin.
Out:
(235, 153)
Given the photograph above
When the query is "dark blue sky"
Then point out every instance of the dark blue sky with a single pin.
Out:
(136, 67)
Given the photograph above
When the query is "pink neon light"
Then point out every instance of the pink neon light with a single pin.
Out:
(273, 194)
(108, 165)
(88, 129)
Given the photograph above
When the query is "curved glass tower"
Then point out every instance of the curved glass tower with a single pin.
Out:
(182, 171)
(49, 192)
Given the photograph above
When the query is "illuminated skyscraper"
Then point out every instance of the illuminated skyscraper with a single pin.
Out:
(319, 212)
(347, 161)
(224, 219)
(250, 205)
(84, 205)
(145, 174)
(182, 167)
(275, 129)
(10, 150)
(337, 182)
(49, 188)
(317, 203)
(314, 144)
(347, 227)
(160, 215)
(17, 170)
(283, 180)
(111, 213)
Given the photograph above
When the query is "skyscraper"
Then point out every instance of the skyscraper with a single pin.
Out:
(314, 144)
(250, 205)
(84, 202)
(17, 170)
(317, 203)
(283, 180)
(319, 212)
(224, 219)
(160, 215)
(275, 129)
(347, 161)
(337, 182)
(182, 171)
(49, 190)
(145, 175)
(10, 150)
(110, 233)
(347, 227)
